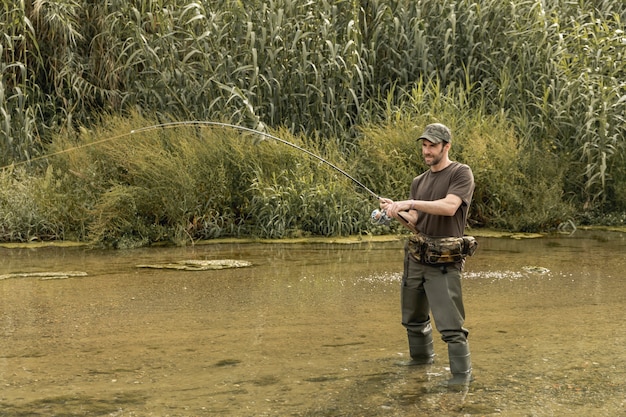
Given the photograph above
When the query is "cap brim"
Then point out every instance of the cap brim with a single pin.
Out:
(430, 138)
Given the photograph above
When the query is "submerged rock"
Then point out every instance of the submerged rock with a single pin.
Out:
(535, 269)
(200, 265)
(44, 275)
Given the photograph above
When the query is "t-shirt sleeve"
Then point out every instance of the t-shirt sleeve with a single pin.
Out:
(462, 184)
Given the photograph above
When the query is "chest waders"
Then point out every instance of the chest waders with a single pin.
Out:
(431, 281)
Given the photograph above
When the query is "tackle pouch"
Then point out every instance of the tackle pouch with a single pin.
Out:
(445, 250)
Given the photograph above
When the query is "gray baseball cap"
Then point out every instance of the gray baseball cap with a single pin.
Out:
(436, 133)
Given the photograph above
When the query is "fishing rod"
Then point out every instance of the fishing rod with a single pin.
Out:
(378, 216)
(201, 124)
(259, 132)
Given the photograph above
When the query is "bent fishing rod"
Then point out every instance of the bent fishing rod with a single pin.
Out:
(259, 132)
(379, 217)
(201, 123)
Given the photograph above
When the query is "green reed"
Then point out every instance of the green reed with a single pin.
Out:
(328, 70)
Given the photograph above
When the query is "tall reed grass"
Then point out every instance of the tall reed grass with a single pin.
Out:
(326, 70)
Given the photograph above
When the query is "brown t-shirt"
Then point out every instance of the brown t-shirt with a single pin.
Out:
(455, 179)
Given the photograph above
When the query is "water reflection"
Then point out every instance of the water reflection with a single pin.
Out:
(309, 330)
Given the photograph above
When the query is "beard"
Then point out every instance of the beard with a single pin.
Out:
(435, 158)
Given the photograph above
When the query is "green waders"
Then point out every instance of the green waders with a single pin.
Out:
(436, 289)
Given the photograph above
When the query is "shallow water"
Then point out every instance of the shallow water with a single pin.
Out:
(309, 330)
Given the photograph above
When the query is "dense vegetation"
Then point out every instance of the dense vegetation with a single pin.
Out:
(535, 92)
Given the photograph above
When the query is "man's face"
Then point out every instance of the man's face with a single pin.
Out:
(432, 153)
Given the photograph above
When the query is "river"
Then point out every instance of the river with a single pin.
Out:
(308, 330)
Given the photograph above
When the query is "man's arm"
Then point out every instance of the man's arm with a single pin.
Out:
(443, 207)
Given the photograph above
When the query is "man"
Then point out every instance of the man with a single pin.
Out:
(437, 213)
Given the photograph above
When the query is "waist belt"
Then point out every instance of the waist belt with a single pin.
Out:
(445, 250)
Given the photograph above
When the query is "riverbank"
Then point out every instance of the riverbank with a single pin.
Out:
(347, 240)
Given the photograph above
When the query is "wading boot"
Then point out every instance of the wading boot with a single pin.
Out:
(421, 349)
(460, 364)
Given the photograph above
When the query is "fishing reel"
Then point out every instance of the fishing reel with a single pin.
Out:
(380, 217)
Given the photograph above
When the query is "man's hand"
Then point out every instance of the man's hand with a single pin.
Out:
(384, 203)
(392, 208)
(401, 211)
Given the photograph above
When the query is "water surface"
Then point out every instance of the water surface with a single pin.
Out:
(309, 330)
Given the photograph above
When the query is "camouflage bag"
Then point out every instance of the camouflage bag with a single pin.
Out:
(445, 250)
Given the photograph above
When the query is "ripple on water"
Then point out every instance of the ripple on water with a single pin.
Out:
(386, 277)
(507, 274)
(495, 275)
(526, 271)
